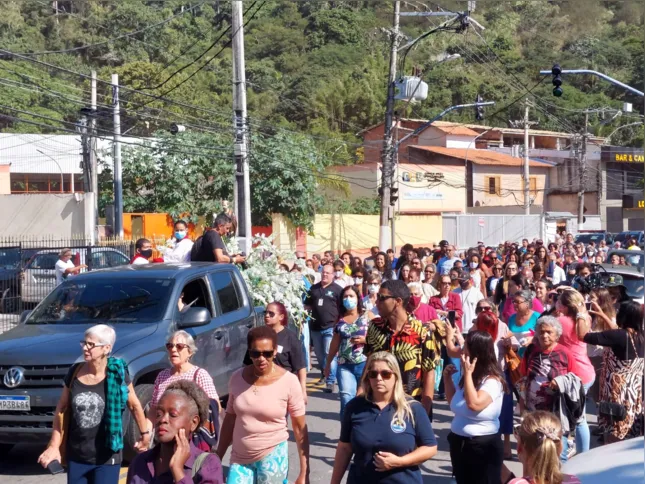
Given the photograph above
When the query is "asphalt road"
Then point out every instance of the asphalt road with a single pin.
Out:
(20, 466)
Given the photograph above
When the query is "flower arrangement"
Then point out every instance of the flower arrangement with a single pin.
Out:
(268, 282)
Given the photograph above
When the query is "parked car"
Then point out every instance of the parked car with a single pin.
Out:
(623, 237)
(633, 274)
(39, 275)
(596, 236)
(621, 462)
(141, 303)
(12, 260)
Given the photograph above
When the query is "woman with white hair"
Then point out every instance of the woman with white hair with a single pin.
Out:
(388, 433)
(181, 348)
(423, 312)
(543, 362)
(90, 410)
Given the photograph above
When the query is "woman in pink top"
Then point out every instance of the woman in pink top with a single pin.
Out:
(260, 396)
(517, 283)
(570, 307)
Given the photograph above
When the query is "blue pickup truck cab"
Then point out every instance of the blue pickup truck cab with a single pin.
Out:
(142, 304)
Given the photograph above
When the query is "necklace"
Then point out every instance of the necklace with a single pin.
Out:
(254, 386)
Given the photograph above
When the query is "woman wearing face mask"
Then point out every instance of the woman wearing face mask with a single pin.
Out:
(590, 254)
(348, 341)
(182, 245)
(340, 277)
(358, 274)
(181, 410)
(476, 273)
(373, 284)
(423, 312)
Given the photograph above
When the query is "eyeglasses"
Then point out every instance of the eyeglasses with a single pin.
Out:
(518, 302)
(255, 354)
(383, 297)
(180, 346)
(91, 345)
(483, 308)
(385, 374)
(443, 283)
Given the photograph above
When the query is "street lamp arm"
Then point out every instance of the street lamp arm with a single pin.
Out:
(598, 74)
(608, 138)
(439, 116)
(62, 177)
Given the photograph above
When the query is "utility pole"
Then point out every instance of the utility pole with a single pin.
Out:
(242, 184)
(583, 173)
(387, 155)
(118, 174)
(93, 162)
(527, 185)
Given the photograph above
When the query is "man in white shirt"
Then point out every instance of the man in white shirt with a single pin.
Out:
(183, 245)
(469, 296)
(65, 267)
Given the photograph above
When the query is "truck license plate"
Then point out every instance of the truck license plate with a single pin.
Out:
(15, 403)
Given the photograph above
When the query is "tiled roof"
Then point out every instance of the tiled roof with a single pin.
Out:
(455, 129)
(481, 157)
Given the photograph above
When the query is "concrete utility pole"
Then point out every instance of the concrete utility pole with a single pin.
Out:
(242, 184)
(118, 173)
(583, 174)
(387, 155)
(527, 185)
(93, 161)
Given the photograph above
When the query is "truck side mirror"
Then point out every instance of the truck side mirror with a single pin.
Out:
(194, 317)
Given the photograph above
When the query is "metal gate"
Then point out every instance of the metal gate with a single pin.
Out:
(465, 230)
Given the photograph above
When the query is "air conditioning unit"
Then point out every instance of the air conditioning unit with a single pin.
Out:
(411, 88)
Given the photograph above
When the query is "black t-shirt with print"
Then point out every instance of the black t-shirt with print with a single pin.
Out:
(289, 355)
(86, 432)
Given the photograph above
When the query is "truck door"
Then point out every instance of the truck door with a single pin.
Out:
(235, 316)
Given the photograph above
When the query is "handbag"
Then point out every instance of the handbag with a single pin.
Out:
(612, 411)
(513, 363)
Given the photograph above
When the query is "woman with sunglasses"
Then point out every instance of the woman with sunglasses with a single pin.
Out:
(429, 281)
(388, 433)
(261, 396)
(519, 283)
(497, 272)
(348, 342)
(476, 451)
(290, 355)
(93, 391)
(181, 348)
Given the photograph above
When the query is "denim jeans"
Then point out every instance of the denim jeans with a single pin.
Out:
(321, 341)
(349, 377)
(583, 437)
(79, 473)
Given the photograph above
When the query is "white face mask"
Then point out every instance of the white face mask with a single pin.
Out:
(358, 280)
(373, 288)
(473, 265)
(339, 273)
(590, 254)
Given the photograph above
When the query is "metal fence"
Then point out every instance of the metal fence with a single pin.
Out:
(27, 268)
(465, 230)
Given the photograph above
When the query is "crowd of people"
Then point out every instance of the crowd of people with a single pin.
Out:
(515, 338)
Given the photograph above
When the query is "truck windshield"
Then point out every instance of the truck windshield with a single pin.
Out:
(103, 301)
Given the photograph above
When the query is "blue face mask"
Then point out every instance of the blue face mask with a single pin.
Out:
(180, 235)
(350, 303)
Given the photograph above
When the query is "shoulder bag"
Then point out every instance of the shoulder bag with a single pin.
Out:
(613, 411)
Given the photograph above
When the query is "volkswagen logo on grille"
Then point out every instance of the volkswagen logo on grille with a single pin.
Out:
(14, 377)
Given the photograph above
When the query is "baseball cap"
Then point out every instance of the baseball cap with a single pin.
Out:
(614, 280)
(443, 243)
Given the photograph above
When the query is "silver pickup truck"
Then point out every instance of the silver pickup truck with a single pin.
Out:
(140, 302)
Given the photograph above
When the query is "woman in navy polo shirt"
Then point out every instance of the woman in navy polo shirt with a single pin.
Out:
(388, 433)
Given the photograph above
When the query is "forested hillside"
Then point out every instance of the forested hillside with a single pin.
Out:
(316, 66)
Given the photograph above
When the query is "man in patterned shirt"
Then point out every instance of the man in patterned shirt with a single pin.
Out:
(399, 333)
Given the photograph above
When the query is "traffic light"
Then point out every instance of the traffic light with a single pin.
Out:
(394, 195)
(479, 110)
(557, 80)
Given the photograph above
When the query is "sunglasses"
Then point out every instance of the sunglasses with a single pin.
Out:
(385, 374)
(271, 314)
(483, 308)
(383, 297)
(255, 354)
(90, 345)
(180, 346)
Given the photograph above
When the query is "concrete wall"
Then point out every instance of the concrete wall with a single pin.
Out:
(427, 188)
(568, 202)
(5, 179)
(355, 233)
(46, 214)
(511, 179)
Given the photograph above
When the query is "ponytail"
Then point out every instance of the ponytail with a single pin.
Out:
(540, 434)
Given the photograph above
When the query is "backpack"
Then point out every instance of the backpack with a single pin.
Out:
(206, 436)
(196, 250)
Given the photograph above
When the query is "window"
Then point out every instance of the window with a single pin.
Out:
(533, 186)
(493, 185)
(195, 294)
(108, 258)
(225, 288)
